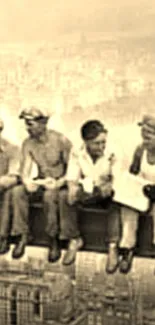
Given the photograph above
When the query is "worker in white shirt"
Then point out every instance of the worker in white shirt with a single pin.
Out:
(89, 178)
(143, 165)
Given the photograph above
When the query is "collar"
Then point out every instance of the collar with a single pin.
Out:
(87, 156)
(110, 155)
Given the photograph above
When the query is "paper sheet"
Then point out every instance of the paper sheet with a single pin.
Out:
(129, 191)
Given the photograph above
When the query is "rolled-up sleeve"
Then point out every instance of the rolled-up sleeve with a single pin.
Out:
(73, 170)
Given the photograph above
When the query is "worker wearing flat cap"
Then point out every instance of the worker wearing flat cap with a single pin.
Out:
(143, 164)
(89, 177)
(9, 177)
(49, 150)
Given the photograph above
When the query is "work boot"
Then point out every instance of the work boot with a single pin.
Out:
(4, 245)
(74, 246)
(112, 260)
(126, 261)
(54, 250)
(19, 248)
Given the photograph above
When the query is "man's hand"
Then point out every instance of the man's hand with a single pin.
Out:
(7, 181)
(61, 182)
(48, 183)
(31, 185)
(149, 191)
(106, 189)
(105, 185)
(87, 184)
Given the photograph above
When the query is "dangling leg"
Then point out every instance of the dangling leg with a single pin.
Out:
(113, 236)
(50, 200)
(5, 205)
(69, 227)
(20, 205)
(129, 219)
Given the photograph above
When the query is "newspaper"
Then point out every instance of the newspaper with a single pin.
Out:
(129, 191)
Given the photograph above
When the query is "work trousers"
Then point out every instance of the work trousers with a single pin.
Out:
(21, 202)
(61, 218)
(56, 222)
(5, 212)
(70, 213)
(130, 220)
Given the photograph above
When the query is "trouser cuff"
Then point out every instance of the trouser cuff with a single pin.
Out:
(127, 246)
(65, 236)
(112, 240)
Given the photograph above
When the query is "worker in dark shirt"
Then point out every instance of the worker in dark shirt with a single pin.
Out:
(49, 150)
(9, 177)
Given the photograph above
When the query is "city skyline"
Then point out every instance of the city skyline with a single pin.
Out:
(46, 20)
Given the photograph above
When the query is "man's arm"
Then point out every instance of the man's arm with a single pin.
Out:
(49, 182)
(26, 164)
(73, 173)
(66, 146)
(73, 176)
(136, 160)
(12, 177)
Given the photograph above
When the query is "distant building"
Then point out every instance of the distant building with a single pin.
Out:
(28, 300)
(109, 298)
(32, 294)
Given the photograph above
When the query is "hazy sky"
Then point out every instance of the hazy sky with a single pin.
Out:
(31, 20)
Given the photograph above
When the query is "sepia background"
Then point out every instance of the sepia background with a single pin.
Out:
(78, 60)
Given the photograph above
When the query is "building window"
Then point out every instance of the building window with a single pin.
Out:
(13, 309)
(37, 303)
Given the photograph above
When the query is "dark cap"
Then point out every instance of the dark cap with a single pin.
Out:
(33, 114)
(91, 129)
(148, 120)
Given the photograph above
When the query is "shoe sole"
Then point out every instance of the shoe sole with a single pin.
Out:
(124, 271)
(113, 270)
(5, 252)
(18, 256)
(54, 260)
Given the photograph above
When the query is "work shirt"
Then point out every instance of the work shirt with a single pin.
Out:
(50, 154)
(81, 165)
(9, 158)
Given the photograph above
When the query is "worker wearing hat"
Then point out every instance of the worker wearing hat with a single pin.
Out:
(49, 150)
(89, 177)
(143, 164)
(9, 177)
